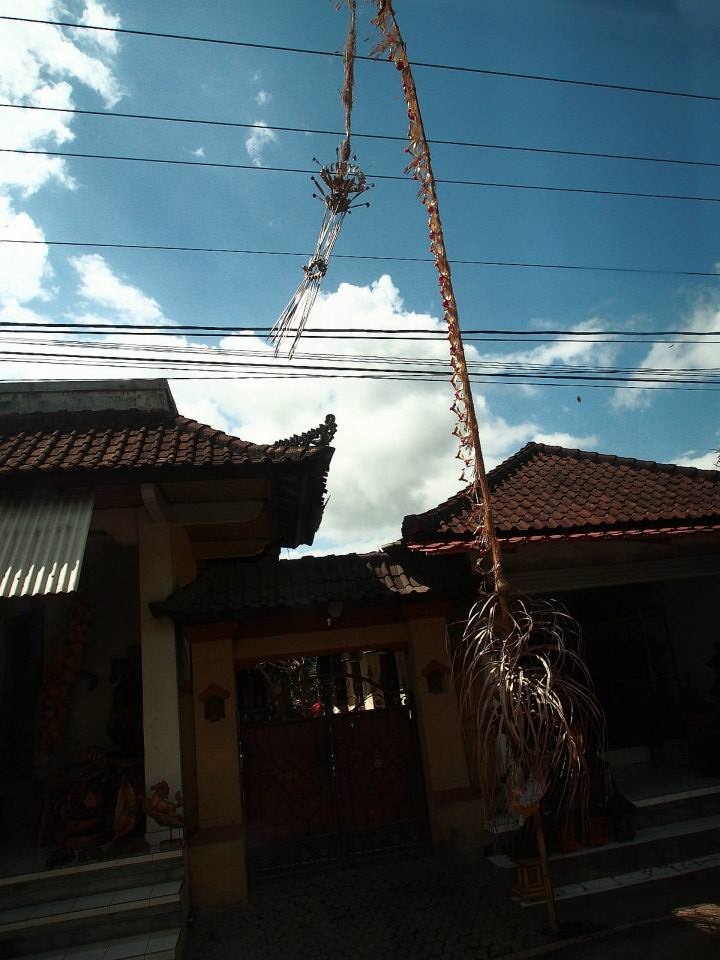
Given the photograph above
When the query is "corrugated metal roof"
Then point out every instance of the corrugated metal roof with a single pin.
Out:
(42, 542)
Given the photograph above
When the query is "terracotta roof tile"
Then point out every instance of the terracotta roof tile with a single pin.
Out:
(225, 589)
(73, 449)
(544, 491)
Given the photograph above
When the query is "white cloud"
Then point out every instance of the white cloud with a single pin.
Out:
(699, 353)
(33, 55)
(24, 268)
(96, 15)
(394, 450)
(40, 65)
(262, 97)
(256, 77)
(199, 152)
(257, 140)
(703, 461)
(100, 286)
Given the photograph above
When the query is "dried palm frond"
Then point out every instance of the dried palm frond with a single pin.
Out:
(524, 682)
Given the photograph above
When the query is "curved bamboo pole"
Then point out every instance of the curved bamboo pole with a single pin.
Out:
(466, 429)
(521, 675)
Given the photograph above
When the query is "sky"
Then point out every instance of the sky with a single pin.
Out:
(394, 449)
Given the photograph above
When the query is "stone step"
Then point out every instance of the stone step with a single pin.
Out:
(663, 872)
(677, 807)
(71, 922)
(653, 846)
(164, 944)
(78, 880)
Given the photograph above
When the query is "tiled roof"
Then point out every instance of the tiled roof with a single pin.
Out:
(86, 443)
(223, 590)
(550, 492)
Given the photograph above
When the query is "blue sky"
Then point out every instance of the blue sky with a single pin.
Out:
(394, 453)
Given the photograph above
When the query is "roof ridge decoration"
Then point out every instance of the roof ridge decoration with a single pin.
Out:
(523, 455)
(320, 436)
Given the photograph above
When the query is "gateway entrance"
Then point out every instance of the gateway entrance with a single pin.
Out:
(330, 759)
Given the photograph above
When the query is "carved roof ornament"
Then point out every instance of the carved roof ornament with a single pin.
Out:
(320, 436)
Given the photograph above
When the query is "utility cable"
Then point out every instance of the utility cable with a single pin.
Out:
(555, 151)
(343, 332)
(210, 363)
(235, 377)
(177, 352)
(652, 271)
(539, 77)
(374, 176)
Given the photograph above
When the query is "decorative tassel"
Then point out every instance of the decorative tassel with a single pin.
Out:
(342, 183)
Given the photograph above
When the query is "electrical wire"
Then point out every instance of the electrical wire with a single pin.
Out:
(427, 373)
(235, 377)
(510, 363)
(555, 151)
(375, 176)
(429, 333)
(651, 271)
(543, 78)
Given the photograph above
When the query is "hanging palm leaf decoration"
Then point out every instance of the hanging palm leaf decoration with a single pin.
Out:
(339, 185)
(519, 666)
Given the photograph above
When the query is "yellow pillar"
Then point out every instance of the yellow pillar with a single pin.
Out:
(454, 812)
(161, 720)
(217, 850)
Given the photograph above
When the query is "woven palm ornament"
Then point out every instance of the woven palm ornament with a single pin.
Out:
(339, 185)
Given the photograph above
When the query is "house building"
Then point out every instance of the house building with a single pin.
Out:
(109, 501)
(304, 708)
(633, 550)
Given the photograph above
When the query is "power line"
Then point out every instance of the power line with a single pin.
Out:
(543, 78)
(375, 176)
(352, 376)
(340, 332)
(555, 151)
(440, 375)
(652, 271)
(176, 354)
(236, 373)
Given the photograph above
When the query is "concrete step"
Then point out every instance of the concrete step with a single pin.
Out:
(677, 807)
(652, 847)
(73, 921)
(78, 880)
(160, 945)
(667, 872)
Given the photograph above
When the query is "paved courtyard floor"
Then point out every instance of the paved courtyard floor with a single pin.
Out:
(416, 908)
(420, 908)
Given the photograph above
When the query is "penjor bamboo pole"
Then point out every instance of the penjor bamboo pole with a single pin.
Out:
(423, 171)
(468, 432)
